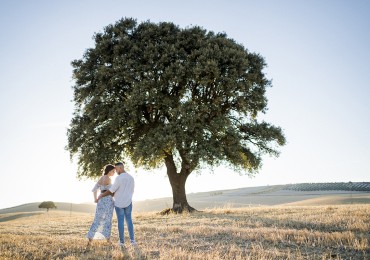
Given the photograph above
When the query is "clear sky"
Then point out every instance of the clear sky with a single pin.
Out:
(318, 58)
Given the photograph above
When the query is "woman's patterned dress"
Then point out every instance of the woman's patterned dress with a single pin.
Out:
(102, 224)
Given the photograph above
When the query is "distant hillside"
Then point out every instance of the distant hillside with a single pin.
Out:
(290, 194)
(61, 206)
(29, 207)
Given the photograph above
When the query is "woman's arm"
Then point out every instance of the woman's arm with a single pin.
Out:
(95, 191)
(95, 196)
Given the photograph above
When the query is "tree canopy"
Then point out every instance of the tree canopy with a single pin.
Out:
(159, 94)
(47, 205)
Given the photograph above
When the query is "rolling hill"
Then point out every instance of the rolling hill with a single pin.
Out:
(277, 195)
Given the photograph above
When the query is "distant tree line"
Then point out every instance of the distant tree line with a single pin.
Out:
(327, 186)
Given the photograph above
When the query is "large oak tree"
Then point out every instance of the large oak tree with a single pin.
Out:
(158, 94)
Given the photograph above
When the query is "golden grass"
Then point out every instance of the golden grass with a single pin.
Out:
(312, 232)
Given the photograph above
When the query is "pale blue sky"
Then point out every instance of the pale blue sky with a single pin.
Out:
(318, 59)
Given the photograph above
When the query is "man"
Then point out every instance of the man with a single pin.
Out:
(123, 189)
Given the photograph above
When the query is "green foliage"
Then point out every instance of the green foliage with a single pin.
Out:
(148, 91)
(47, 205)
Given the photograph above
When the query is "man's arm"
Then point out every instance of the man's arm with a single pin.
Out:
(106, 193)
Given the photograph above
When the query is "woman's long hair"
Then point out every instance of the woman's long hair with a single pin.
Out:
(108, 168)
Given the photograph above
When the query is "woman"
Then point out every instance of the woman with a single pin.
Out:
(102, 224)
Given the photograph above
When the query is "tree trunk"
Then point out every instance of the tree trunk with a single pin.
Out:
(177, 181)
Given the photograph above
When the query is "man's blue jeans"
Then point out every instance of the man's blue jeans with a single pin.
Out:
(123, 213)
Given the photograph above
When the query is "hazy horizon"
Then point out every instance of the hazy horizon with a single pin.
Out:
(240, 195)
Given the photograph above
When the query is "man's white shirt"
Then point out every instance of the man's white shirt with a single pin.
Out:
(123, 189)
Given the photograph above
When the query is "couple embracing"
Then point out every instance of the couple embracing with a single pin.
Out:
(116, 196)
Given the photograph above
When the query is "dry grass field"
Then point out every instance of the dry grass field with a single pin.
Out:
(268, 232)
